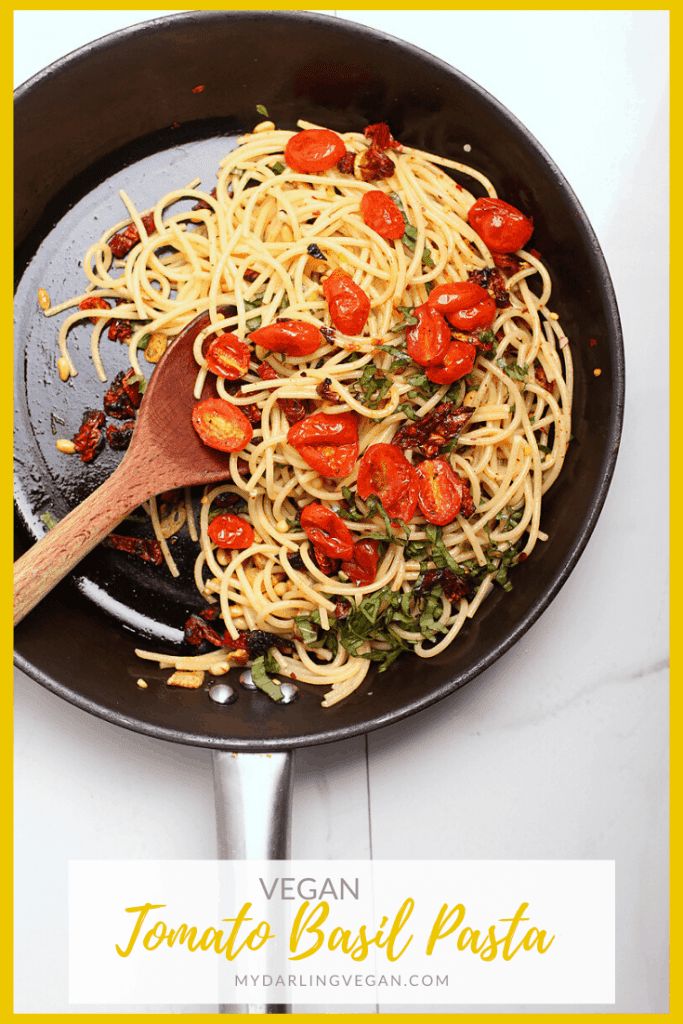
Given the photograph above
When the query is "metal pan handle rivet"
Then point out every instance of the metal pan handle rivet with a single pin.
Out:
(222, 693)
(289, 692)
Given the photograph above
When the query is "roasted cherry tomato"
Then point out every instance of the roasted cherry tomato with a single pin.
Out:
(327, 531)
(428, 339)
(314, 149)
(475, 318)
(456, 295)
(380, 212)
(457, 363)
(349, 305)
(329, 444)
(227, 356)
(230, 531)
(293, 337)
(502, 227)
(385, 472)
(439, 491)
(323, 429)
(361, 568)
(221, 425)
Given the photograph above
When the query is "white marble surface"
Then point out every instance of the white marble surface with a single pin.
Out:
(560, 749)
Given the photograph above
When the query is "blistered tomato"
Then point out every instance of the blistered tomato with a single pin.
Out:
(230, 531)
(502, 227)
(380, 212)
(293, 337)
(227, 356)
(314, 149)
(327, 531)
(427, 340)
(348, 304)
(457, 363)
(361, 568)
(439, 491)
(456, 295)
(385, 472)
(329, 444)
(221, 425)
(474, 318)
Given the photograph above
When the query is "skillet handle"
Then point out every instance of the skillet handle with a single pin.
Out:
(253, 820)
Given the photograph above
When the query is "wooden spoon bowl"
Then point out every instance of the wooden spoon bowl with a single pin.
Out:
(165, 452)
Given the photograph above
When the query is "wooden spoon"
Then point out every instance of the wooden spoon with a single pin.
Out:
(165, 452)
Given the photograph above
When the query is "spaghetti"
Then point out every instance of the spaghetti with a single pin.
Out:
(262, 249)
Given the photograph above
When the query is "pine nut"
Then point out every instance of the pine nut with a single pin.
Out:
(222, 557)
(66, 446)
(264, 126)
(142, 684)
(219, 669)
(63, 367)
(43, 299)
(281, 588)
(156, 346)
(282, 526)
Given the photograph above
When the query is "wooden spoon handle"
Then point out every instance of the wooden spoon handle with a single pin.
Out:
(48, 561)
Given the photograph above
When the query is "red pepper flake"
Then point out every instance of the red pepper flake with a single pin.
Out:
(147, 550)
(175, 125)
(593, 343)
(535, 253)
(198, 88)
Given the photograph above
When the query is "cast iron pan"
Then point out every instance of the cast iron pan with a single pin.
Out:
(121, 113)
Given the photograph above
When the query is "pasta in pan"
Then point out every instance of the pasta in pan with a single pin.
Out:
(398, 394)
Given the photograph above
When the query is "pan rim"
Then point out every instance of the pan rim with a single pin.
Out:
(613, 430)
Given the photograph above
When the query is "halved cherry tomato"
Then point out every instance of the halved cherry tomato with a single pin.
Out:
(230, 531)
(502, 227)
(327, 531)
(329, 444)
(348, 303)
(475, 318)
(457, 363)
(385, 472)
(427, 340)
(380, 212)
(439, 491)
(456, 295)
(227, 356)
(221, 425)
(361, 568)
(314, 149)
(293, 337)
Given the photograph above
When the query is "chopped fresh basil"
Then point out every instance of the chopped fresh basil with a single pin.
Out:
(143, 342)
(373, 385)
(49, 520)
(260, 109)
(408, 318)
(277, 167)
(141, 382)
(513, 370)
(263, 680)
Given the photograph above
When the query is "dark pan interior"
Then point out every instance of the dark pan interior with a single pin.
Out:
(81, 134)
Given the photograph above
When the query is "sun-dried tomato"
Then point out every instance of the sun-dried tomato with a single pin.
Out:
(123, 397)
(467, 506)
(123, 241)
(294, 409)
(539, 374)
(381, 138)
(94, 302)
(328, 566)
(507, 260)
(494, 282)
(325, 391)
(454, 587)
(210, 613)
(90, 437)
(257, 642)
(196, 630)
(147, 550)
(345, 165)
(375, 165)
(342, 608)
(202, 203)
(427, 435)
(119, 435)
(120, 330)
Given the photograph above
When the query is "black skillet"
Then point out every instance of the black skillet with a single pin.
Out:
(122, 112)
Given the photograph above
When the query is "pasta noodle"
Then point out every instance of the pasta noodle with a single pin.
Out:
(262, 245)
